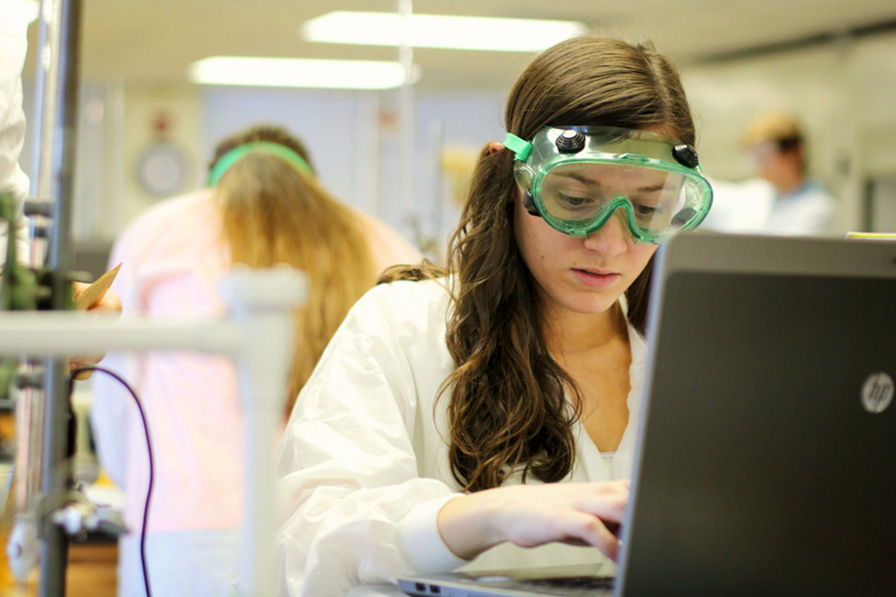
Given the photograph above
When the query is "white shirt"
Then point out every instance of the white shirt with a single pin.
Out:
(755, 207)
(13, 45)
(805, 211)
(363, 464)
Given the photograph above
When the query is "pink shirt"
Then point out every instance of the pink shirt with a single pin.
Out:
(173, 261)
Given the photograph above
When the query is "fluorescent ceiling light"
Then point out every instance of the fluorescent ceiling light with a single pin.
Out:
(297, 72)
(436, 31)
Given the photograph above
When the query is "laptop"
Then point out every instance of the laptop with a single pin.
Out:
(766, 462)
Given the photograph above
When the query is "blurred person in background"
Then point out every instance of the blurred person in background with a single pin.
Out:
(263, 207)
(782, 199)
(13, 46)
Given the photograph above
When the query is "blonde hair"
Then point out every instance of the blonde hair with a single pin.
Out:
(273, 214)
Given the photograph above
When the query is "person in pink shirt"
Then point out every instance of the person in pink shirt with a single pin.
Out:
(263, 206)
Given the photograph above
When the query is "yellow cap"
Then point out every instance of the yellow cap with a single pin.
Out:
(772, 126)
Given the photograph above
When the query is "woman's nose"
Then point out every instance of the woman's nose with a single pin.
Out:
(612, 238)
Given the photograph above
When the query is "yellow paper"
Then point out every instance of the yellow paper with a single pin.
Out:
(97, 290)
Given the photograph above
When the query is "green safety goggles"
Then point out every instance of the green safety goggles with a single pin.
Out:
(577, 177)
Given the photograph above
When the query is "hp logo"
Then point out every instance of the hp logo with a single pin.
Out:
(877, 392)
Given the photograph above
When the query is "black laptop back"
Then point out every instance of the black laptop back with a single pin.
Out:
(768, 456)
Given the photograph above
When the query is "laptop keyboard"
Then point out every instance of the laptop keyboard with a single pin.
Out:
(566, 586)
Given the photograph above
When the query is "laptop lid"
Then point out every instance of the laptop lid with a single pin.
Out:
(767, 453)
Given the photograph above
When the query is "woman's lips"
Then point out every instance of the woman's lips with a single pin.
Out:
(595, 278)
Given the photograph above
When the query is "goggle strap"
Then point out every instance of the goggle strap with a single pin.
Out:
(240, 151)
(521, 149)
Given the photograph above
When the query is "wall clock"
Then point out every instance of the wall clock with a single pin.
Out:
(162, 169)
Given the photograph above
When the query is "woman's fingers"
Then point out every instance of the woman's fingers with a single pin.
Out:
(83, 361)
(574, 513)
(609, 501)
(108, 302)
(591, 530)
(533, 515)
(568, 526)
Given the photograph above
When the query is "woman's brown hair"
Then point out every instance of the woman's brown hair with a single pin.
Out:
(275, 213)
(508, 409)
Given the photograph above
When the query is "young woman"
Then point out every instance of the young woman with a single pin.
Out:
(263, 206)
(444, 413)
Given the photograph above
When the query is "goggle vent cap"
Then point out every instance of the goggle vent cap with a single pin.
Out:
(570, 141)
(685, 155)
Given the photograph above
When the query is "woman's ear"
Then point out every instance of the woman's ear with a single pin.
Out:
(494, 151)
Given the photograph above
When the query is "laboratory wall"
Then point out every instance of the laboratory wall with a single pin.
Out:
(140, 143)
(841, 89)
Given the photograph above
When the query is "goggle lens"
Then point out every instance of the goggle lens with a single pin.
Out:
(578, 194)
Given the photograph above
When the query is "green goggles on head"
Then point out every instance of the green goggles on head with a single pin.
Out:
(577, 177)
(268, 147)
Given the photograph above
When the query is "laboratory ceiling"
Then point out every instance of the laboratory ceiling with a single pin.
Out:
(154, 41)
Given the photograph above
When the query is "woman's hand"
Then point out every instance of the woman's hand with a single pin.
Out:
(107, 303)
(532, 515)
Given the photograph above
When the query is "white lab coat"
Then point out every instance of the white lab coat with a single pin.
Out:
(755, 207)
(363, 465)
(13, 45)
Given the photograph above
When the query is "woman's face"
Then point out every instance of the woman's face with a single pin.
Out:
(584, 275)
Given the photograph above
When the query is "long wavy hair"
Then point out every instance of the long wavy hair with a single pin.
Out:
(274, 213)
(508, 410)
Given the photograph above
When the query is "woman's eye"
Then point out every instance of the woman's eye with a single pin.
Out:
(646, 211)
(573, 201)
